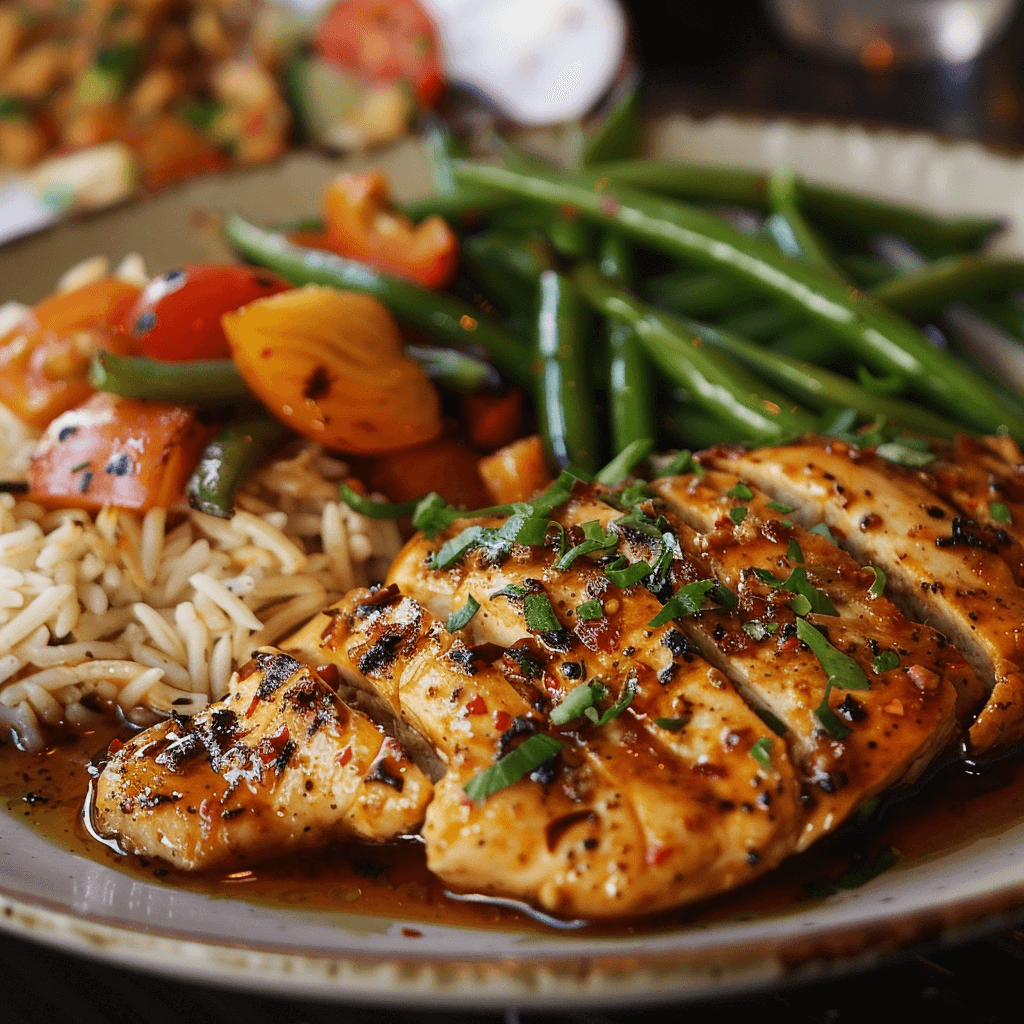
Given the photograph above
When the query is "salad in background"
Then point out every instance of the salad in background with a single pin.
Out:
(103, 99)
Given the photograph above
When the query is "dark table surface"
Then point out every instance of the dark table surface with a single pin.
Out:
(701, 59)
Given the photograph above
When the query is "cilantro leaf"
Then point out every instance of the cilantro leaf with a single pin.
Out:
(741, 491)
(778, 506)
(841, 670)
(808, 598)
(597, 539)
(539, 614)
(686, 601)
(877, 589)
(590, 610)
(885, 661)
(793, 552)
(672, 724)
(738, 513)
(625, 575)
(1000, 513)
(628, 693)
(758, 630)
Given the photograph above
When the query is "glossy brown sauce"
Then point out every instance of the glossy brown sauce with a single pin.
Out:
(48, 792)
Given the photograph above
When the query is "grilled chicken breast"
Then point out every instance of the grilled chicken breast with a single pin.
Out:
(629, 816)
(279, 765)
(944, 568)
(882, 735)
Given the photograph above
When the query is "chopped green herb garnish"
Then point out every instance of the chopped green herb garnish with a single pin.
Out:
(628, 693)
(530, 754)
(741, 491)
(808, 598)
(79, 466)
(13, 109)
(686, 601)
(459, 619)
(788, 523)
(590, 610)
(618, 469)
(623, 575)
(793, 552)
(539, 614)
(905, 453)
(821, 530)
(758, 630)
(884, 662)
(738, 513)
(1000, 513)
(777, 725)
(842, 671)
(672, 724)
(862, 871)
(576, 702)
(534, 531)
(878, 587)
(778, 506)
(629, 496)
(596, 539)
(512, 590)
(761, 752)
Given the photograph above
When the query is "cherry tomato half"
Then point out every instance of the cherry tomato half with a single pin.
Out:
(383, 42)
(177, 316)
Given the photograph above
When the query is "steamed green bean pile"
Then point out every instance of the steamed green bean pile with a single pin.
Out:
(691, 304)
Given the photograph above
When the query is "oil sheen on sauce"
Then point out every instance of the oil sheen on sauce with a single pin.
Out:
(48, 791)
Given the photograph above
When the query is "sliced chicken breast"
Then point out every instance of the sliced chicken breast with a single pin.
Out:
(280, 764)
(943, 569)
(628, 817)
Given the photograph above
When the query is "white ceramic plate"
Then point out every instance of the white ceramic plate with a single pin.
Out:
(56, 897)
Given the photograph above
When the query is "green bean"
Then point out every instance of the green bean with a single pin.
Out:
(618, 137)
(739, 187)
(508, 266)
(790, 230)
(816, 387)
(453, 370)
(229, 458)
(697, 294)
(879, 337)
(809, 344)
(630, 389)
(565, 409)
(688, 426)
(946, 280)
(208, 381)
(439, 315)
(716, 384)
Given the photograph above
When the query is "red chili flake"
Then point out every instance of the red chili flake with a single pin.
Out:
(345, 756)
(273, 745)
(252, 705)
(115, 746)
(467, 323)
(502, 720)
(476, 706)
(610, 206)
(772, 407)
(266, 353)
(657, 854)
(412, 933)
(569, 212)
(789, 645)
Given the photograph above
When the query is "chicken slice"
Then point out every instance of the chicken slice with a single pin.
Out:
(617, 822)
(942, 570)
(983, 477)
(280, 764)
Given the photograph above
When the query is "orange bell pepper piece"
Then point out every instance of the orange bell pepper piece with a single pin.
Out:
(362, 225)
(516, 472)
(122, 452)
(445, 466)
(491, 421)
(330, 365)
(45, 359)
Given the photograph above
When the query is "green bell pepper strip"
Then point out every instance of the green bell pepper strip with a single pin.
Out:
(437, 314)
(879, 337)
(740, 187)
(719, 385)
(565, 407)
(229, 458)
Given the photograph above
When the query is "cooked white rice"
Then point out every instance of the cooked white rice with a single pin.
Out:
(152, 613)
